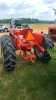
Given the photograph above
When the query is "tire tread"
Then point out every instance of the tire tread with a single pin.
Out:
(8, 50)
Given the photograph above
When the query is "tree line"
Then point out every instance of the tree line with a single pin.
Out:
(28, 20)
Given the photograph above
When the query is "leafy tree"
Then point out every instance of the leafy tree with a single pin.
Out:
(54, 11)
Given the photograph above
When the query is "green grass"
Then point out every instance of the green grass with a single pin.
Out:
(30, 81)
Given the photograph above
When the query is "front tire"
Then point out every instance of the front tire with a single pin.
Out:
(8, 53)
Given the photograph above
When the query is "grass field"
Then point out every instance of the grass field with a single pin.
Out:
(29, 81)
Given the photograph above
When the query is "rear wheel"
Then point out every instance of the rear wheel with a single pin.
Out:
(8, 53)
(48, 42)
(42, 56)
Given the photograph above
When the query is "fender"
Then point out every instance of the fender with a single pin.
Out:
(38, 37)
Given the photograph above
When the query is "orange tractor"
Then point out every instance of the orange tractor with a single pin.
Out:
(24, 40)
(52, 32)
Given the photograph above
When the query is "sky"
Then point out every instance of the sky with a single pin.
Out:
(39, 9)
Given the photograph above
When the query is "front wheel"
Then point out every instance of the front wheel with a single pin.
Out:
(42, 56)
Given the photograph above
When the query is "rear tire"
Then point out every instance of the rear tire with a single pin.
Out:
(48, 42)
(8, 53)
(42, 56)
